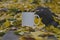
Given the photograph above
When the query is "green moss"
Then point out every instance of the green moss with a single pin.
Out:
(2, 33)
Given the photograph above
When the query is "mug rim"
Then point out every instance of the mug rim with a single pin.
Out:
(28, 12)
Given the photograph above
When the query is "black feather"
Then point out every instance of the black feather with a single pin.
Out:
(47, 16)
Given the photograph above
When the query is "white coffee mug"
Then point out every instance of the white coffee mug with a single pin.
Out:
(28, 19)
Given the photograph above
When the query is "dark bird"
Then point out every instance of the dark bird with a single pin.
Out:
(47, 16)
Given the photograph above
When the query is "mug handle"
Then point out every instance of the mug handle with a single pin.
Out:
(39, 19)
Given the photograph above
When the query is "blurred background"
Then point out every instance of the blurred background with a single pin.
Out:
(11, 11)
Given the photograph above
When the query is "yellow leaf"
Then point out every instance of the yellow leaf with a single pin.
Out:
(6, 24)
